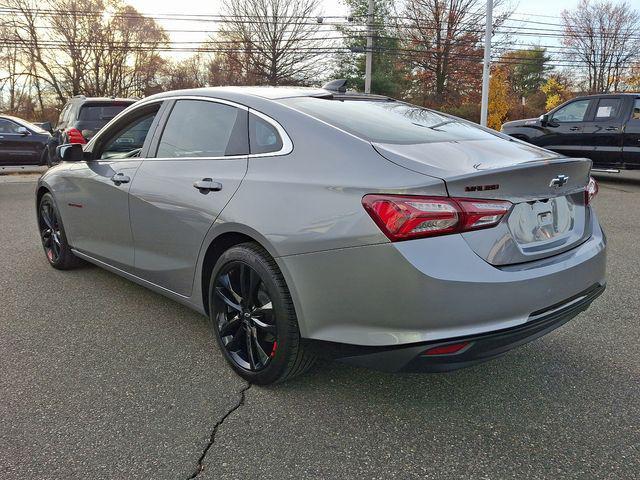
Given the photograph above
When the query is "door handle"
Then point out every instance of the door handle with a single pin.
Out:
(574, 129)
(611, 129)
(207, 185)
(119, 178)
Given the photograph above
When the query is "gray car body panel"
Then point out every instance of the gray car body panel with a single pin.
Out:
(349, 283)
(429, 289)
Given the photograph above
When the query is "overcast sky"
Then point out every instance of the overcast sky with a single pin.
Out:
(538, 10)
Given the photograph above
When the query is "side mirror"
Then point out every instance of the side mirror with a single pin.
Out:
(22, 131)
(70, 152)
(544, 119)
(47, 126)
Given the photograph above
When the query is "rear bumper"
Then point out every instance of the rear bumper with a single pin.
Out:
(431, 289)
(479, 348)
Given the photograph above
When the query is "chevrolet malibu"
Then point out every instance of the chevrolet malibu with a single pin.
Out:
(310, 223)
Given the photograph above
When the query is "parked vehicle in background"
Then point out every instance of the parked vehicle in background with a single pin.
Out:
(82, 117)
(604, 128)
(317, 222)
(22, 143)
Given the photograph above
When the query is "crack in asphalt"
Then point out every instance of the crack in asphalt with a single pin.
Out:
(200, 466)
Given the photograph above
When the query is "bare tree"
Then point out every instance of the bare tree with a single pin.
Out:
(606, 37)
(444, 45)
(276, 40)
(188, 73)
(95, 47)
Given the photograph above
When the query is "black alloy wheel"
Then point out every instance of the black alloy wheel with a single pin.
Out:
(245, 318)
(50, 231)
(253, 317)
(54, 240)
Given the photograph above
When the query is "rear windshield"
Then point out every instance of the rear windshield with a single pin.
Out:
(383, 121)
(100, 112)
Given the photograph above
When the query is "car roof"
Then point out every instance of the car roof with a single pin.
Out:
(253, 95)
(84, 99)
(619, 94)
(19, 120)
(270, 93)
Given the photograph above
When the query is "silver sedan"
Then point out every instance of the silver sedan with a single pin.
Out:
(310, 223)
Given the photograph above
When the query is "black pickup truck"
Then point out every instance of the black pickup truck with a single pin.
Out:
(604, 128)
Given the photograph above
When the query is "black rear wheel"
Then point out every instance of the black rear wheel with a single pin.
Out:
(54, 240)
(253, 317)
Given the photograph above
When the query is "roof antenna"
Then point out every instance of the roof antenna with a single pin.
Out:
(339, 85)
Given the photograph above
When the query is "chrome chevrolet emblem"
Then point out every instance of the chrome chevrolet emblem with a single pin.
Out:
(559, 181)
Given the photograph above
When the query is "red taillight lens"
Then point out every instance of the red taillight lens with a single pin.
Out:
(403, 217)
(446, 349)
(590, 191)
(75, 136)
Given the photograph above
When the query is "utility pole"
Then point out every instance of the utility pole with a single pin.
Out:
(369, 57)
(484, 107)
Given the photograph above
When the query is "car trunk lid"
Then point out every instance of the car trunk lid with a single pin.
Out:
(549, 215)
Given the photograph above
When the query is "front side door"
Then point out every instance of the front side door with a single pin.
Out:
(200, 160)
(96, 200)
(603, 131)
(631, 138)
(564, 131)
(16, 147)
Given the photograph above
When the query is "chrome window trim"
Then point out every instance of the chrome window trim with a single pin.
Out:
(193, 97)
(287, 144)
(228, 157)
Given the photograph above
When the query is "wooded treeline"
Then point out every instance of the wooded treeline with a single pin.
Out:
(425, 51)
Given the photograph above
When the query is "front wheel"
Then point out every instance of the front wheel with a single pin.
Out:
(253, 317)
(54, 240)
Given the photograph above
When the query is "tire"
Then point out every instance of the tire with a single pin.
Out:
(250, 305)
(54, 240)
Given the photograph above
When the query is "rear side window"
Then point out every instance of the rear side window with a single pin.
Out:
(607, 108)
(573, 112)
(263, 137)
(199, 128)
(385, 121)
(100, 113)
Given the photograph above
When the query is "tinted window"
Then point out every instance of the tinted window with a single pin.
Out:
(635, 115)
(263, 137)
(100, 113)
(204, 129)
(7, 126)
(607, 108)
(128, 141)
(388, 121)
(573, 112)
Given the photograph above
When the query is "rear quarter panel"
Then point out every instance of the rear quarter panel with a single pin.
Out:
(310, 199)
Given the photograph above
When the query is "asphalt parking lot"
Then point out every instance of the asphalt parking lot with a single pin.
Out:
(102, 379)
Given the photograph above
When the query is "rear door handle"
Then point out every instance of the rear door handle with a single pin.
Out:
(119, 178)
(611, 129)
(207, 185)
(574, 129)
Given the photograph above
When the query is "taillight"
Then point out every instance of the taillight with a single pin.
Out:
(75, 136)
(590, 191)
(404, 217)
